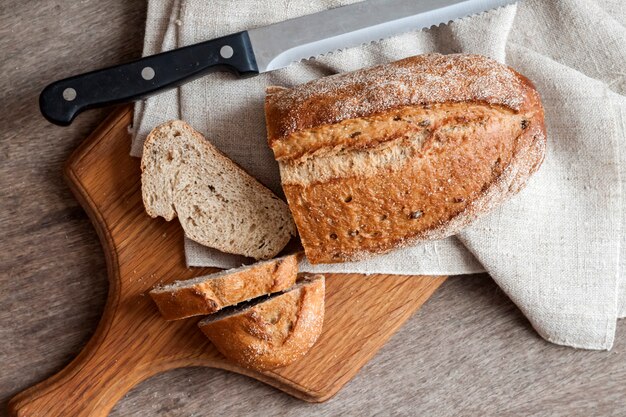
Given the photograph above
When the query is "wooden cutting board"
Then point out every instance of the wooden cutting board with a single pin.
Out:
(132, 342)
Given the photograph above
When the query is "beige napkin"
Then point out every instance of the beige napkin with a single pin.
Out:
(558, 249)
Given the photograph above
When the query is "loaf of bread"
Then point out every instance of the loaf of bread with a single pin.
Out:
(217, 203)
(210, 293)
(273, 331)
(391, 155)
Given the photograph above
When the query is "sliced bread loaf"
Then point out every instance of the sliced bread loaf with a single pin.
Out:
(210, 293)
(273, 331)
(218, 204)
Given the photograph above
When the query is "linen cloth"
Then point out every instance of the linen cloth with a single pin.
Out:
(558, 248)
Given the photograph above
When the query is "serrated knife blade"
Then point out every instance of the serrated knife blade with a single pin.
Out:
(281, 44)
(252, 52)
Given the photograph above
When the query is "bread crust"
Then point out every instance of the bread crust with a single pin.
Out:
(273, 333)
(418, 80)
(208, 294)
(483, 136)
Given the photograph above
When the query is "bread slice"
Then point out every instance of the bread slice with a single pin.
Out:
(273, 331)
(210, 293)
(414, 150)
(217, 203)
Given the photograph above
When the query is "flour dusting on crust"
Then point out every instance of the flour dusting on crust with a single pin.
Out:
(423, 79)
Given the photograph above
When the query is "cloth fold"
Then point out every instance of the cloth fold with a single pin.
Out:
(558, 248)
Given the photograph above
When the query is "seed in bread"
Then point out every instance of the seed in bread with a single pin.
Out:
(273, 331)
(391, 155)
(210, 293)
(217, 203)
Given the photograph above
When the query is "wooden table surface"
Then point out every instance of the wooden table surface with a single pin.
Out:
(468, 351)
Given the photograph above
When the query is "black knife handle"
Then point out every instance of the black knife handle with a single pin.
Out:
(62, 100)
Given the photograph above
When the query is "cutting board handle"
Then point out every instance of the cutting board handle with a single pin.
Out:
(64, 394)
(93, 383)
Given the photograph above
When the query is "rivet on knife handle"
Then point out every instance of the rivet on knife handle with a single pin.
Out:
(62, 100)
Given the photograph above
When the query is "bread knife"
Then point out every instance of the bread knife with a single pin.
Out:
(252, 52)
